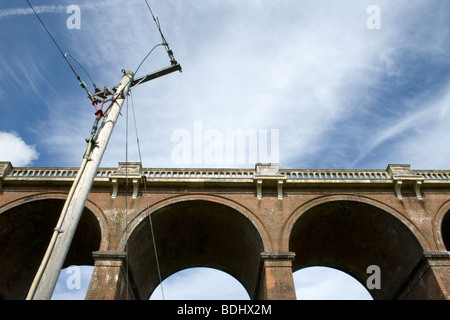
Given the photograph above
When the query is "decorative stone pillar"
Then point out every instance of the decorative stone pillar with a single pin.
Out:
(430, 280)
(109, 280)
(276, 279)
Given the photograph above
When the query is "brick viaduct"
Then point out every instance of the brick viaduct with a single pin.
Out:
(259, 225)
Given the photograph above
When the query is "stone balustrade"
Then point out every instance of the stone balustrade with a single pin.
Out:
(263, 174)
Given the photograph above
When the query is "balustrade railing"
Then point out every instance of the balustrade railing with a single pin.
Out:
(307, 175)
(236, 175)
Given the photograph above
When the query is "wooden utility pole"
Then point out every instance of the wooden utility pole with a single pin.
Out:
(48, 273)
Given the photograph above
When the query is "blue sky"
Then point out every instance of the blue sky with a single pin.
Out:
(341, 95)
(210, 284)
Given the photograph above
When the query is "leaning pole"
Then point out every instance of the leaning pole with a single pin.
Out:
(45, 280)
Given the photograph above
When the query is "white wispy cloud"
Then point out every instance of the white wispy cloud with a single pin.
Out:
(420, 137)
(200, 284)
(290, 66)
(15, 150)
(321, 283)
(25, 11)
(293, 77)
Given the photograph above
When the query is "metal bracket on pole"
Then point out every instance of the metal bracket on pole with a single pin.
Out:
(155, 75)
(143, 79)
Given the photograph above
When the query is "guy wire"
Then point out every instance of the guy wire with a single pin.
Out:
(158, 25)
(126, 201)
(148, 206)
(83, 85)
(87, 73)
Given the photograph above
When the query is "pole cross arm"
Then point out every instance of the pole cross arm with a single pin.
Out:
(98, 96)
(156, 74)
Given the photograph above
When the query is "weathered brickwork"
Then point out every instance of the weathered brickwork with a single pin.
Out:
(259, 225)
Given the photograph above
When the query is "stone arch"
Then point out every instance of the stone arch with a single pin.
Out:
(423, 240)
(253, 218)
(445, 231)
(26, 228)
(90, 206)
(351, 234)
(441, 227)
(194, 232)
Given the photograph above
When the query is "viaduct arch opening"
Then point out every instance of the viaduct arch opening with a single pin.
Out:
(25, 235)
(325, 283)
(201, 283)
(445, 231)
(194, 233)
(351, 236)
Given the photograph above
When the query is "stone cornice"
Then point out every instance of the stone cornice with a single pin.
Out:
(397, 176)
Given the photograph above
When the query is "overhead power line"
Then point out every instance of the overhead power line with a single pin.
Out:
(82, 84)
(158, 25)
